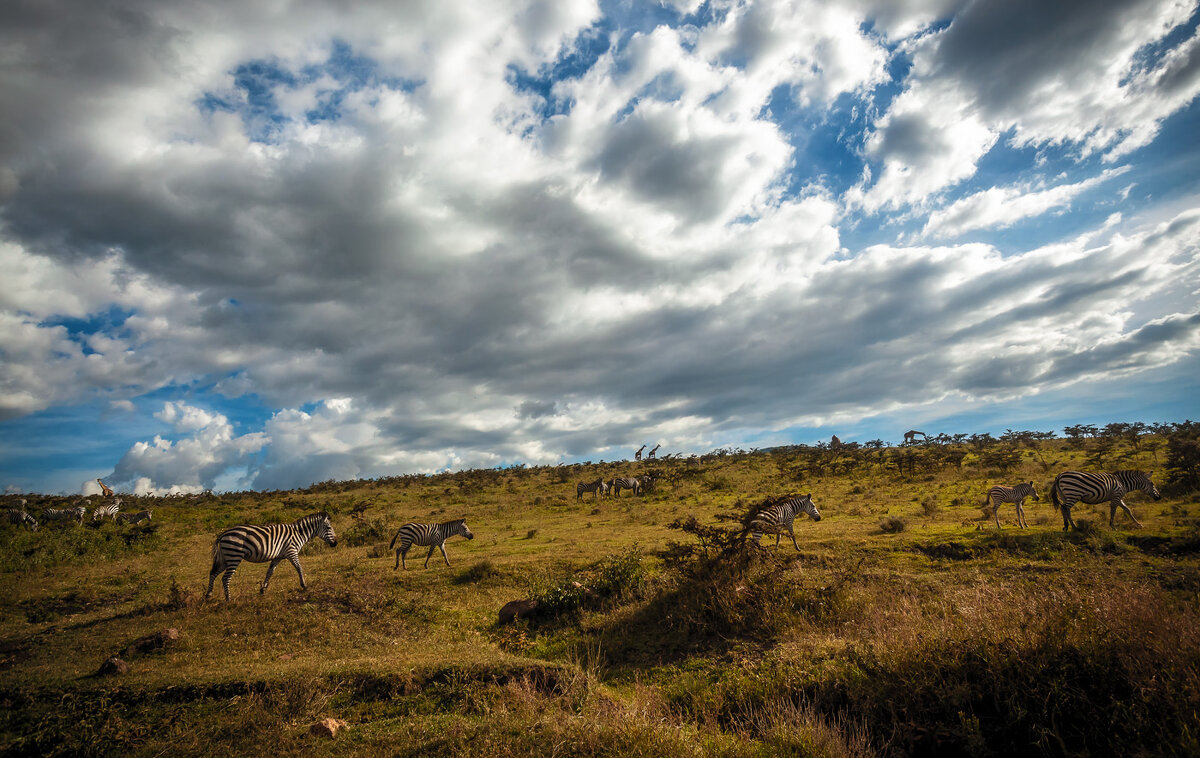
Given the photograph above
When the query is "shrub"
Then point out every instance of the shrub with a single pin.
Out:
(892, 524)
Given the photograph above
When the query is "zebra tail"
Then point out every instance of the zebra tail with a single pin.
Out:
(1054, 491)
(393, 544)
(216, 556)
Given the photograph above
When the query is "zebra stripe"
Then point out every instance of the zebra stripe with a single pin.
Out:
(19, 517)
(433, 535)
(597, 488)
(1072, 487)
(134, 518)
(627, 483)
(259, 544)
(777, 515)
(1015, 495)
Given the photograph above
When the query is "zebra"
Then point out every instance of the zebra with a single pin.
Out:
(64, 514)
(19, 517)
(597, 488)
(134, 518)
(109, 509)
(1072, 487)
(1016, 495)
(433, 535)
(105, 489)
(626, 483)
(260, 544)
(777, 514)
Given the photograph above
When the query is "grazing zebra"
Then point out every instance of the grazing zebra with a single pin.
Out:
(105, 489)
(1072, 487)
(638, 455)
(1015, 495)
(64, 514)
(134, 518)
(650, 455)
(109, 509)
(626, 483)
(433, 535)
(597, 488)
(259, 544)
(777, 514)
(20, 517)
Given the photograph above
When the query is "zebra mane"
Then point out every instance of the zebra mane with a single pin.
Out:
(454, 521)
(313, 517)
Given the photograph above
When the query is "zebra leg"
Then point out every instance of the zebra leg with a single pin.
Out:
(267, 579)
(1113, 513)
(1020, 514)
(444, 556)
(430, 555)
(212, 578)
(295, 561)
(996, 513)
(1068, 522)
(794, 540)
(225, 580)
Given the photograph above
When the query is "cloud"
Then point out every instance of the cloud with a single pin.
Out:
(190, 464)
(1000, 207)
(1100, 77)
(428, 237)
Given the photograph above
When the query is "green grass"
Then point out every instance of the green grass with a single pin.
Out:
(948, 636)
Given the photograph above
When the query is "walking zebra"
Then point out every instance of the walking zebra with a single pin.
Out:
(19, 517)
(433, 535)
(109, 509)
(64, 514)
(133, 518)
(626, 483)
(647, 481)
(1016, 495)
(597, 488)
(1072, 487)
(259, 544)
(777, 514)
(105, 489)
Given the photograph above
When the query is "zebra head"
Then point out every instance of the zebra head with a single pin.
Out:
(1137, 480)
(325, 530)
(1033, 493)
(806, 506)
(460, 527)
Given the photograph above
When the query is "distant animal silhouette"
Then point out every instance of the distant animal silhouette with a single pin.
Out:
(105, 489)
(638, 455)
(835, 443)
(650, 455)
(910, 435)
(597, 488)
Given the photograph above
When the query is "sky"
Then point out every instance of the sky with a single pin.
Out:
(261, 245)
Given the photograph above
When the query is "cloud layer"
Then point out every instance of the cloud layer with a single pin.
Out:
(444, 235)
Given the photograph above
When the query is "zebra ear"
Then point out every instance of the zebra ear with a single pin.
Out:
(808, 496)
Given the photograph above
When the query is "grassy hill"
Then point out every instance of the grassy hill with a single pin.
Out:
(906, 624)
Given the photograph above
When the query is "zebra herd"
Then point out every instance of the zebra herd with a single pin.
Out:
(21, 517)
(639, 485)
(277, 542)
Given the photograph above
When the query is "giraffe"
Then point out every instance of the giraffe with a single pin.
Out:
(835, 443)
(638, 455)
(650, 455)
(910, 435)
(104, 488)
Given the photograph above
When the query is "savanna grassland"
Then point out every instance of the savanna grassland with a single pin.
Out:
(905, 624)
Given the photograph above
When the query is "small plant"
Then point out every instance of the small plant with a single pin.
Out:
(892, 525)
